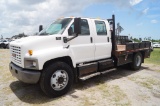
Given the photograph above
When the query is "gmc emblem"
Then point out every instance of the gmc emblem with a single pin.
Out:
(14, 55)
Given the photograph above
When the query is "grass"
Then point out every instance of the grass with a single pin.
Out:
(87, 101)
(155, 57)
(158, 70)
(114, 94)
(146, 82)
(144, 97)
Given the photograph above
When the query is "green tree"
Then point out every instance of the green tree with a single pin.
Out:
(136, 40)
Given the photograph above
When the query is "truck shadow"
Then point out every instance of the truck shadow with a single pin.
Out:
(32, 94)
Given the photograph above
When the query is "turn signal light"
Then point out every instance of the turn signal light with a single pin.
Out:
(30, 52)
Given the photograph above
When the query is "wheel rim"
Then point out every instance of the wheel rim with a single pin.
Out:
(138, 60)
(59, 80)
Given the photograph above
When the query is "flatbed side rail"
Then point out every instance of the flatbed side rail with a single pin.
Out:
(133, 46)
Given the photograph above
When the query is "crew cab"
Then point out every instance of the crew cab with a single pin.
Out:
(73, 49)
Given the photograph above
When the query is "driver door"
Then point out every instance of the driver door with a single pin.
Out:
(82, 47)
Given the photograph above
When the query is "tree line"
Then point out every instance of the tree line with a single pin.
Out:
(144, 39)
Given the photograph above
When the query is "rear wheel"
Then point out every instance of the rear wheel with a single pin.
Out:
(137, 61)
(56, 79)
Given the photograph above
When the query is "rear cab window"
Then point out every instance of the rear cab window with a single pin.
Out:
(101, 29)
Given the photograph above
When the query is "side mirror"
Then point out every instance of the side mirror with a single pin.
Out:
(110, 23)
(40, 28)
(77, 26)
(70, 31)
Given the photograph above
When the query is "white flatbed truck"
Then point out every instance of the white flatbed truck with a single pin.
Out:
(73, 49)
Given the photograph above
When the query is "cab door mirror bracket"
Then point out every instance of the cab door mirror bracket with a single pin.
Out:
(77, 30)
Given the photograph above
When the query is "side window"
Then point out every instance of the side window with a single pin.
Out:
(101, 28)
(84, 27)
(71, 30)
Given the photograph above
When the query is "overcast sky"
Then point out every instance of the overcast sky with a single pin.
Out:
(139, 18)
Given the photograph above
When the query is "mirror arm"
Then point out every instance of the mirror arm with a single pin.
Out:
(68, 39)
(65, 39)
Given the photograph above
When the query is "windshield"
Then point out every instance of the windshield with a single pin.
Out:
(56, 27)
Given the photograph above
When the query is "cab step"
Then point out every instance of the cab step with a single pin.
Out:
(96, 74)
(89, 76)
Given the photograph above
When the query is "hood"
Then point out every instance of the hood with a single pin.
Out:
(38, 42)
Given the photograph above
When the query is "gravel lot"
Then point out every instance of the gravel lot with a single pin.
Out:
(119, 87)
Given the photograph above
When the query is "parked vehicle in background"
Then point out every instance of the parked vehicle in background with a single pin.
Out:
(4, 44)
(156, 45)
(73, 49)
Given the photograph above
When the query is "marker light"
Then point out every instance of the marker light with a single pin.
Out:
(30, 52)
(98, 18)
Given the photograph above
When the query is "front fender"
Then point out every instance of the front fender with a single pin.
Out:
(47, 54)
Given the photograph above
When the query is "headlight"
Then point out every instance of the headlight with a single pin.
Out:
(31, 63)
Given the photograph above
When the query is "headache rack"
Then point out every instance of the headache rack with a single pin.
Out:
(122, 43)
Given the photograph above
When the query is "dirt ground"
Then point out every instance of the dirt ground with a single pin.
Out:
(119, 87)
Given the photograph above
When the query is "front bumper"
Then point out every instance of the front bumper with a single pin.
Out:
(24, 75)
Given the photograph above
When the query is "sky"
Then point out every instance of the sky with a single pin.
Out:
(139, 18)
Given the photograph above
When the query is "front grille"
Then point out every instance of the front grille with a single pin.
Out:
(16, 54)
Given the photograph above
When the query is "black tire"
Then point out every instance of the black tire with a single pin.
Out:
(48, 73)
(137, 61)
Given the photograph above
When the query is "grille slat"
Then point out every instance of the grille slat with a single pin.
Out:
(16, 54)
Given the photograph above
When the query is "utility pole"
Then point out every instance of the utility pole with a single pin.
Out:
(1, 37)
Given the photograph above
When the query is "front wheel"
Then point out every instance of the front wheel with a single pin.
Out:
(56, 79)
(137, 61)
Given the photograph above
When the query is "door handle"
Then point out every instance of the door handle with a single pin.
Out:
(108, 39)
(91, 39)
